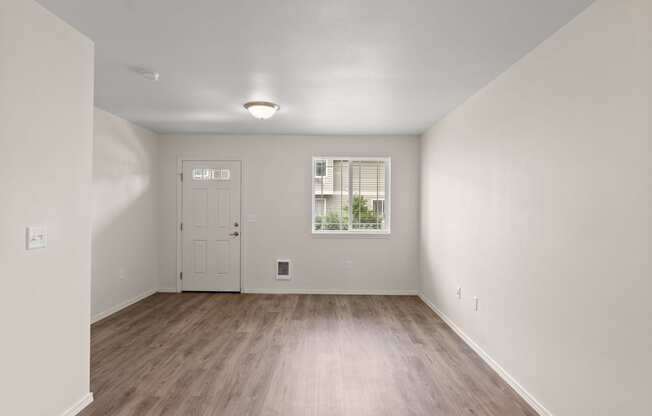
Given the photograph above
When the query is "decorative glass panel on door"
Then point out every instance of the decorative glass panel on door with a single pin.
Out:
(211, 174)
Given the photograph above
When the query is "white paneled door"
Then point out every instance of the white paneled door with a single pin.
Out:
(211, 226)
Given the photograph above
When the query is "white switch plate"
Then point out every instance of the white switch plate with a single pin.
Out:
(458, 292)
(36, 237)
(476, 303)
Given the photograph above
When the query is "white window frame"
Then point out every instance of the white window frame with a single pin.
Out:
(387, 203)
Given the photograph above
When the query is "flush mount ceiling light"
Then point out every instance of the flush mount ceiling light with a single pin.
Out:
(152, 76)
(262, 110)
(146, 73)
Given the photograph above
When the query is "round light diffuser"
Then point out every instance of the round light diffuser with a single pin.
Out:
(146, 73)
(262, 110)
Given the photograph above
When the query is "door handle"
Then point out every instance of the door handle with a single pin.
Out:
(234, 234)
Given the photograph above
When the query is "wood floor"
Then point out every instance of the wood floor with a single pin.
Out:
(231, 354)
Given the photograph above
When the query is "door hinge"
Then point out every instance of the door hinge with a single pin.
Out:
(181, 226)
(181, 176)
(181, 275)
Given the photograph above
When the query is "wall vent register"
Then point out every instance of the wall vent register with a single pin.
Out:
(282, 269)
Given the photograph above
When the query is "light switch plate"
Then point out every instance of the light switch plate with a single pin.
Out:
(36, 237)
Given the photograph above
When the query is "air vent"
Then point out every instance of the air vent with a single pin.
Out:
(282, 269)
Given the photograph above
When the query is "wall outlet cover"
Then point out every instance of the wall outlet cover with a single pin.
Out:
(36, 237)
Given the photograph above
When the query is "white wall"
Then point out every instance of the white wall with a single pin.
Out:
(536, 198)
(125, 213)
(278, 190)
(46, 134)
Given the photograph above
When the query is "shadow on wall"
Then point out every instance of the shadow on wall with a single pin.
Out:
(122, 171)
(124, 234)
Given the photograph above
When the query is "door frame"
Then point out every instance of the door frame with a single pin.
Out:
(243, 222)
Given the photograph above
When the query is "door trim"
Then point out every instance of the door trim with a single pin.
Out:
(243, 222)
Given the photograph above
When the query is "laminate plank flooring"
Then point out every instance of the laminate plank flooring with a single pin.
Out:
(205, 354)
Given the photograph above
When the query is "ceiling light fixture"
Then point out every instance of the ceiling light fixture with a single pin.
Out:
(262, 110)
(146, 73)
(152, 76)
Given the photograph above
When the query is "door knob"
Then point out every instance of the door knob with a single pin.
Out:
(234, 234)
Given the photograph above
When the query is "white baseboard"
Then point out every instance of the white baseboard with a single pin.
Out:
(520, 390)
(116, 308)
(168, 290)
(277, 291)
(79, 406)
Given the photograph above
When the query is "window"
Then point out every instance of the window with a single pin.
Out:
(320, 206)
(320, 168)
(211, 174)
(350, 195)
(379, 205)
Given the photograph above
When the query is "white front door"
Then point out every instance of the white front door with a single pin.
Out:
(211, 226)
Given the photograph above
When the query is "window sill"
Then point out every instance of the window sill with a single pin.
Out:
(362, 234)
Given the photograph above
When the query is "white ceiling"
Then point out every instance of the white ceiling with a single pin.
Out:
(334, 66)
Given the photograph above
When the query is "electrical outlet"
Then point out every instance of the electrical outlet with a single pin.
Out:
(458, 292)
(476, 303)
(121, 274)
